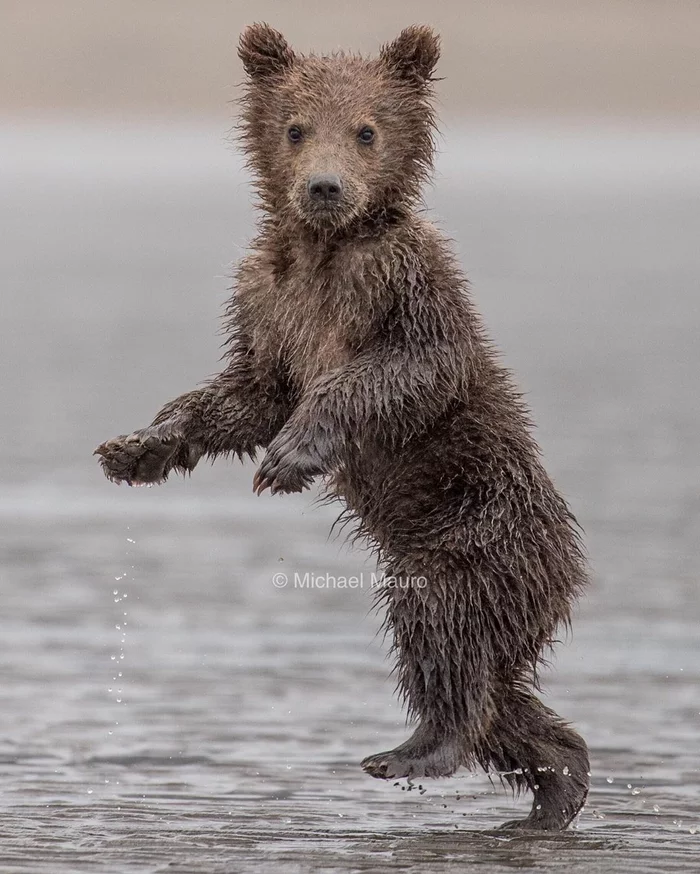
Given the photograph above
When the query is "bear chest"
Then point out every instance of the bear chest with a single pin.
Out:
(319, 326)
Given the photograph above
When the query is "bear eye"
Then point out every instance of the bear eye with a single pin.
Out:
(366, 134)
(294, 134)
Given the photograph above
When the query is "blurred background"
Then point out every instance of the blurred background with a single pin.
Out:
(620, 58)
(163, 705)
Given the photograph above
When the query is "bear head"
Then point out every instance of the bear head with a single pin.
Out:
(337, 139)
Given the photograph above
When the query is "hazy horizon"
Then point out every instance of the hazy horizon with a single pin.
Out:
(613, 58)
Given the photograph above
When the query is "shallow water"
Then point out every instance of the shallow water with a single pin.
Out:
(163, 706)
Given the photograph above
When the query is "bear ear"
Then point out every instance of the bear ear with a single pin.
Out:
(264, 51)
(413, 54)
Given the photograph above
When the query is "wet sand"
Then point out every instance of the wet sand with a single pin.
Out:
(164, 706)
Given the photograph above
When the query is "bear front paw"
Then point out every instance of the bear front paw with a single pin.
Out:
(144, 457)
(287, 467)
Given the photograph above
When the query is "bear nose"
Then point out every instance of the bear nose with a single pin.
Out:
(325, 188)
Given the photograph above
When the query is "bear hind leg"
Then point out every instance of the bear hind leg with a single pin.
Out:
(534, 749)
(445, 681)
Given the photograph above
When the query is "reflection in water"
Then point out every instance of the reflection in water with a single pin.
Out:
(164, 705)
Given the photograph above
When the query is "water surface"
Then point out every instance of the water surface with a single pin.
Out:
(163, 706)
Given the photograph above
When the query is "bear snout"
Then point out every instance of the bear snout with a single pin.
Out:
(325, 188)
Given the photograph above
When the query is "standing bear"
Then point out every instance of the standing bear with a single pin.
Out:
(355, 354)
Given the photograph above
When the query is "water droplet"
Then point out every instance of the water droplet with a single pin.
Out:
(565, 772)
(609, 780)
(636, 790)
(89, 792)
(538, 807)
(656, 808)
(113, 657)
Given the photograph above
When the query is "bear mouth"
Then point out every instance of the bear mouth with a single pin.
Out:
(333, 214)
(326, 206)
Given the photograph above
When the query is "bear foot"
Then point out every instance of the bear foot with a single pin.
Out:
(419, 756)
(553, 809)
(544, 821)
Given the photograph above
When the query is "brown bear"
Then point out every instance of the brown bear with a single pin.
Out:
(355, 355)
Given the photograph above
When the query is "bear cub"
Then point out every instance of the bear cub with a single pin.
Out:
(355, 354)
